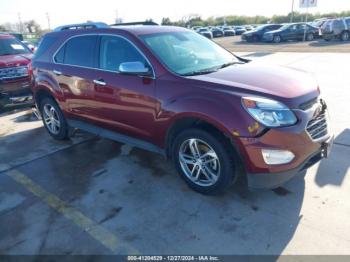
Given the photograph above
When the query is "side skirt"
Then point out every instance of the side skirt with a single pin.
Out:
(105, 133)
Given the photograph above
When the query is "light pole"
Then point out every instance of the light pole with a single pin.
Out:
(48, 20)
(292, 12)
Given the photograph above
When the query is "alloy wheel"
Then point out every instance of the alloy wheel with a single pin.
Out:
(199, 162)
(51, 119)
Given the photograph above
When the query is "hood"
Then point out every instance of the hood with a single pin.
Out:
(15, 60)
(254, 78)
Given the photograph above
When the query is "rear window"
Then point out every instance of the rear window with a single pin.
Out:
(78, 51)
(44, 46)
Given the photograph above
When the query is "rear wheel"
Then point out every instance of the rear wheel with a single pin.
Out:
(345, 36)
(277, 39)
(310, 37)
(53, 119)
(204, 161)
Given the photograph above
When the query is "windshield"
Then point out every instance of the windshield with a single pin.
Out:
(11, 46)
(187, 53)
(285, 27)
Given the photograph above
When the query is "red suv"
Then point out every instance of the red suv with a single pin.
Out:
(175, 92)
(15, 71)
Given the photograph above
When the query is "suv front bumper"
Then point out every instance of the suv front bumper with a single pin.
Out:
(273, 180)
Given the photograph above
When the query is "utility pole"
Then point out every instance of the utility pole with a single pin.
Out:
(116, 16)
(48, 20)
(20, 27)
(292, 12)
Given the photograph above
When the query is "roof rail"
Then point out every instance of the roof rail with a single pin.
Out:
(88, 25)
(136, 23)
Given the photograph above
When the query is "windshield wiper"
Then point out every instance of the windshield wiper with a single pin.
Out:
(201, 72)
(229, 64)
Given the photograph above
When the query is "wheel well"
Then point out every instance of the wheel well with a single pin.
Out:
(41, 94)
(186, 123)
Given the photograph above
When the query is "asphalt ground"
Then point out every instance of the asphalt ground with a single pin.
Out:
(94, 196)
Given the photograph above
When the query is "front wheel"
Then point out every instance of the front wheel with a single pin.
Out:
(53, 119)
(204, 161)
(277, 39)
(310, 37)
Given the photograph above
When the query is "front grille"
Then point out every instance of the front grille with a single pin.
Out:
(318, 126)
(9, 73)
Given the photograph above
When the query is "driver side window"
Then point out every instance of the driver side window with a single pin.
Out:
(116, 50)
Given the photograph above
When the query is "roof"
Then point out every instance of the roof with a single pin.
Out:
(135, 30)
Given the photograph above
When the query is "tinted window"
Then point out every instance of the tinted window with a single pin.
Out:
(59, 58)
(116, 50)
(338, 24)
(80, 51)
(44, 45)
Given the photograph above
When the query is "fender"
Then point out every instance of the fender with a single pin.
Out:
(45, 81)
(223, 114)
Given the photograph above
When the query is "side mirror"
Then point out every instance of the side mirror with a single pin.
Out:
(134, 68)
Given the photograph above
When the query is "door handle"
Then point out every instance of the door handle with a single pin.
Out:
(100, 82)
(57, 72)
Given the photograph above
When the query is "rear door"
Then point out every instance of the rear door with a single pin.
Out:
(75, 70)
(125, 103)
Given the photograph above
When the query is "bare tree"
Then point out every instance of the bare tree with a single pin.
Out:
(32, 26)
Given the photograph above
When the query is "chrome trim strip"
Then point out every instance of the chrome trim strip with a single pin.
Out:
(94, 34)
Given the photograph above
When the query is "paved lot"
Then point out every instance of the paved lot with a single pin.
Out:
(95, 196)
(235, 44)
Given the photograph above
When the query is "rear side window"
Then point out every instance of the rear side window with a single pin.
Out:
(116, 50)
(338, 24)
(44, 46)
(78, 51)
(348, 22)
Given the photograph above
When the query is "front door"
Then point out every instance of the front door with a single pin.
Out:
(125, 103)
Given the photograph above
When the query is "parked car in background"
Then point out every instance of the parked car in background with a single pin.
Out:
(294, 31)
(205, 32)
(228, 31)
(167, 89)
(32, 46)
(217, 32)
(15, 72)
(239, 30)
(257, 34)
(336, 29)
(248, 27)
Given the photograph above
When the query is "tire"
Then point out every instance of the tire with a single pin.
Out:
(220, 161)
(310, 37)
(51, 113)
(345, 36)
(277, 39)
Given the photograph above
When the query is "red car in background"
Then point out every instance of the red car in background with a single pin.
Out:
(15, 73)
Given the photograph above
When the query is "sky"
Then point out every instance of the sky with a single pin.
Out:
(77, 11)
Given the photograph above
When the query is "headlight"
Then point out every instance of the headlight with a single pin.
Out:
(269, 112)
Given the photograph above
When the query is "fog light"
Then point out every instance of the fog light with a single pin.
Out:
(277, 157)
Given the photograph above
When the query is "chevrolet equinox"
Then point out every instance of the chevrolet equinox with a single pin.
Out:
(175, 92)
